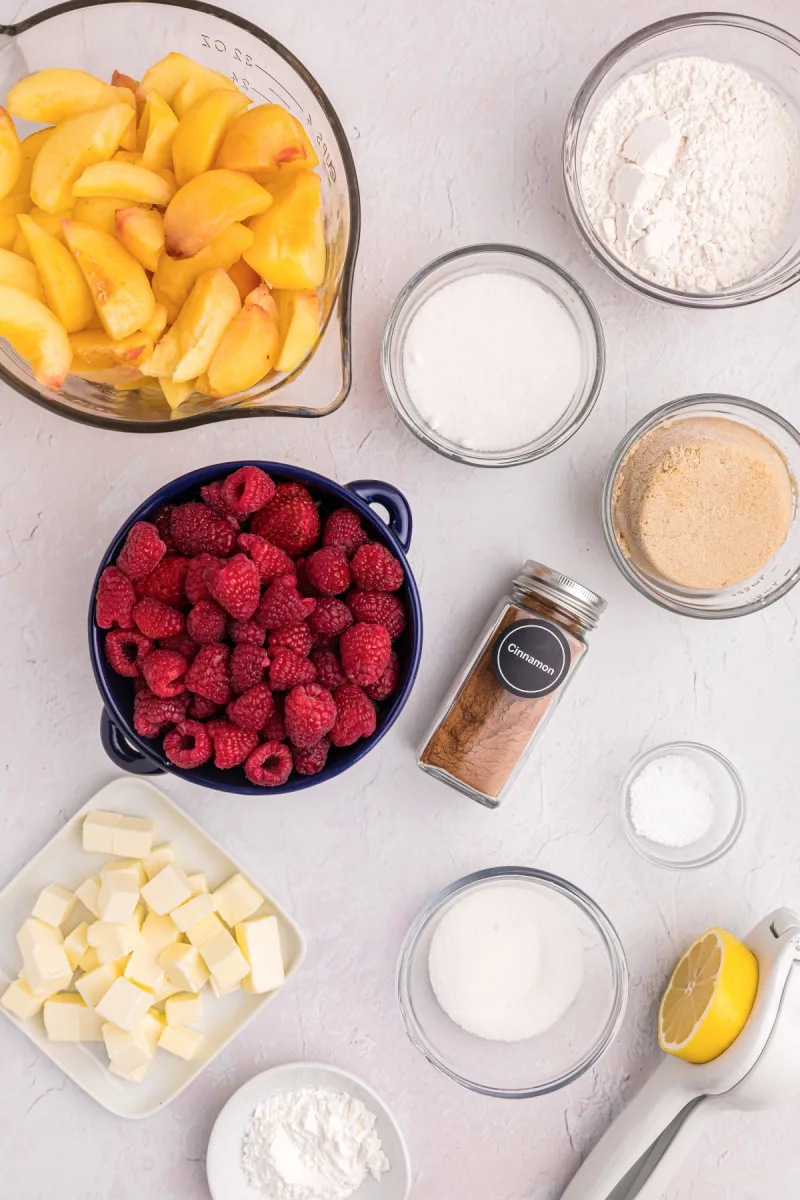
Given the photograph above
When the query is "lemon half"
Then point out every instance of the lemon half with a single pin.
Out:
(709, 997)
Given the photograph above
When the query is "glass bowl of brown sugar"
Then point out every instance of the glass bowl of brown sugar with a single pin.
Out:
(700, 506)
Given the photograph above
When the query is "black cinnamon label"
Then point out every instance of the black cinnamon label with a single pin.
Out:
(531, 658)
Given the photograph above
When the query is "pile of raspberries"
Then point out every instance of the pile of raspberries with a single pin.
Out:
(255, 634)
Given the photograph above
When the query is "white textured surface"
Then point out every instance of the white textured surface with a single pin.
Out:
(455, 111)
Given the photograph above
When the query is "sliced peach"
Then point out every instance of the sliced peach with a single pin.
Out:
(32, 144)
(18, 272)
(187, 349)
(121, 377)
(289, 246)
(206, 206)
(195, 88)
(128, 156)
(96, 349)
(141, 231)
(100, 212)
(156, 133)
(246, 352)
(157, 323)
(36, 335)
(49, 222)
(127, 180)
(201, 131)
(65, 289)
(10, 154)
(119, 79)
(72, 147)
(169, 176)
(268, 139)
(169, 74)
(59, 93)
(176, 393)
(175, 278)
(298, 321)
(122, 294)
(245, 278)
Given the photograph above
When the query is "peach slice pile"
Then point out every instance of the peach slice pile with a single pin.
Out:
(161, 233)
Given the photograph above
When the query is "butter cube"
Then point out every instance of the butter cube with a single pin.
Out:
(191, 911)
(89, 894)
(166, 990)
(161, 857)
(131, 1050)
(260, 941)
(131, 867)
(130, 1076)
(93, 986)
(90, 961)
(54, 905)
(224, 959)
(133, 837)
(203, 930)
(158, 933)
(91, 1025)
(124, 1004)
(143, 968)
(20, 1000)
(76, 944)
(223, 991)
(67, 1019)
(98, 832)
(34, 933)
(184, 1009)
(119, 895)
(112, 941)
(139, 915)
(199, 882)
(184, 967)
(167, 890)
(236, 900)
(47, 970)
(177, 1039)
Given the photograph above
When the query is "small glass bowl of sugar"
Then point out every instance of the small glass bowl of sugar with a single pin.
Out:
(682, 805)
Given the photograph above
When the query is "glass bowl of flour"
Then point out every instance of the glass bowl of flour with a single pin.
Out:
(512, 982)
(493, 356)
(681, 160)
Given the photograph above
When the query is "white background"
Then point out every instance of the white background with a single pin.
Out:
(455, 111)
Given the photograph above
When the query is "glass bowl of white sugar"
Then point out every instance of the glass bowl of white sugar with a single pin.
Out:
(512, 982)
(682, 805)
(681, 160)
(493, 355)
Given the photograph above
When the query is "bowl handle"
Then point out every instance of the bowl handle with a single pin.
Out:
(121, 752)
(375, 491)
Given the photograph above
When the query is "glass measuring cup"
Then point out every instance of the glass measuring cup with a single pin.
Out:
(129, 35)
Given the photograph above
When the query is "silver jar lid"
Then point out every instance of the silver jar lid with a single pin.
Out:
(536, 579)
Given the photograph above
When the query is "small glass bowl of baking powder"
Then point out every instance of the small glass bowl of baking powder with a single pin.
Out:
(770, 56)
(682, 805)
(507, 358)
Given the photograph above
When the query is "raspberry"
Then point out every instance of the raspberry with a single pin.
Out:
(378, 608)
(126, 649)
(209, 673)
(295, 637)
(270, 560)
(196, 587)
(329, 669)
(329, 618)
(212, 497)
(290, 520)
(188, 745)
(269, 765)
(183, 644)
(343, 528)
(215, 724)
(246, 632)
(206, 622)
(328, 571)
(304, 585)
(355, 716)
(114, 600)
(161, 520)
(309, 713)
(248, 664)
(155, 619)
(275, 728)
(151, 713)
(235, 586)
(312, 759)
(365, 651)
(143, 550)
(231, 744)
(166, 582)
(164, 672)
(386, 683)
(201, 708)
(282, 604)
(247, 490)
(375, 569)
(252, 709)
(196, 529)
(287, 669)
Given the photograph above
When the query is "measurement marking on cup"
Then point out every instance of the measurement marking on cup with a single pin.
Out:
(280, 85)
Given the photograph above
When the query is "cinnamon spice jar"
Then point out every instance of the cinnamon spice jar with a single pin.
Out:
(526, 656)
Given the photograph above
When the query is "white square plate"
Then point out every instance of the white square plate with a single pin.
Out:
(63, 860)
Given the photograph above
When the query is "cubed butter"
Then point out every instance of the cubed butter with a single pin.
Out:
(133, 837)
(94, 984)
(224, 959)
(119, 895)
(184, 967)
(161, 857)
(177, 1039)
(54, 905)
(192, 911)
(203, 930)
(166, 990)
(184, 1009)
(90, 961)
(76, 944)
(125, 1004)
(34, 933)
(98, 832)
(131, 1049)
(128, 866)
(67, 1019)
(89, 894)
(111, 940)
(223, 991)
(260, 942)
(158, 933)
(166, 890)
(236, 900)
(142, 968)
(47, 970)
(130, 1076)
(199, 882)
(20, 1000)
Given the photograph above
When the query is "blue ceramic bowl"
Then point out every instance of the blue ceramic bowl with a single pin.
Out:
(143, 756)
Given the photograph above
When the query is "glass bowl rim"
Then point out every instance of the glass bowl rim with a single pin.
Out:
(740, 294)
(639, 843)
(608, 936)
(652, 420)
(423, 432)
(344, 293)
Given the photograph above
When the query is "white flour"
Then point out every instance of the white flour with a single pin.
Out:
(689, 173)
(311, 1144)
